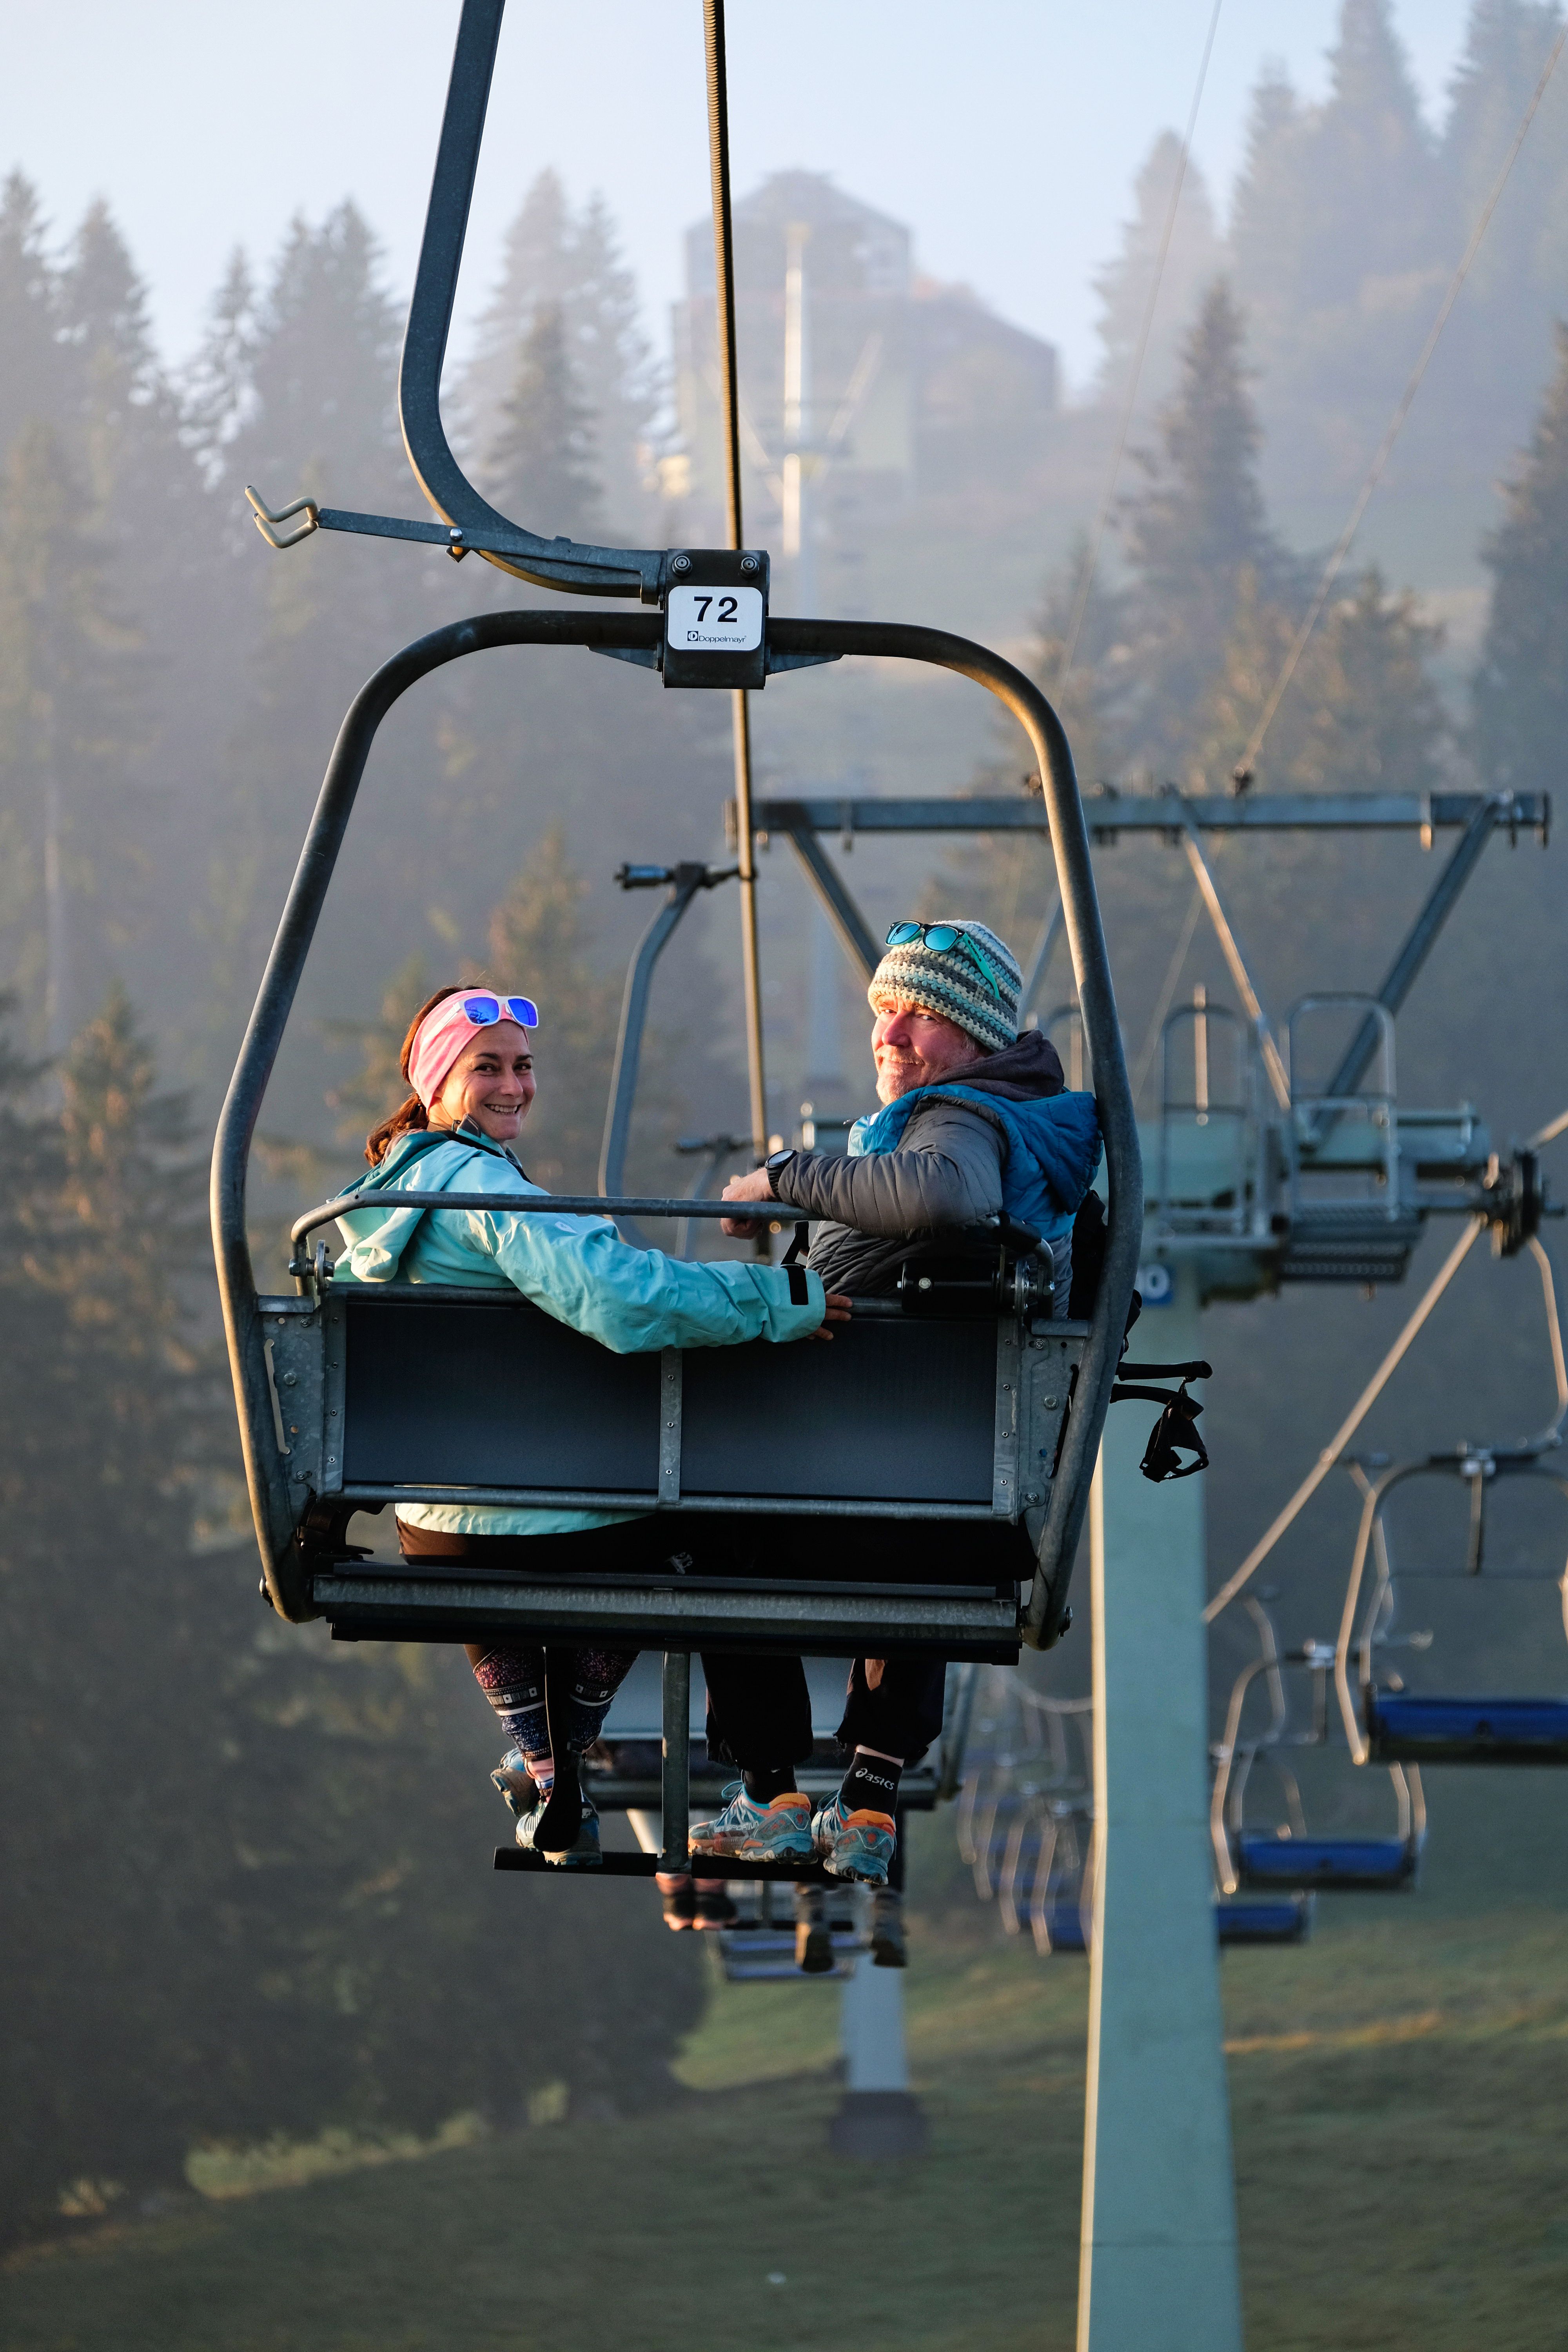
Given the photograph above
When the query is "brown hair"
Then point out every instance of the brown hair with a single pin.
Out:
(412, 1115)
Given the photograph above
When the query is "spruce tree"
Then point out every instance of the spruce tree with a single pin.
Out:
(1499, 354)
(1193, 538)
(33, 379)
(1339, 256)
(569, 262)
(1194, 259)
(538, 943)
(541, 468)
(71, 719)
(535, 271)
(1520, 689)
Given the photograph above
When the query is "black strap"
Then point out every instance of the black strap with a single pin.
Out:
(1174, 1434)
(794, 1262)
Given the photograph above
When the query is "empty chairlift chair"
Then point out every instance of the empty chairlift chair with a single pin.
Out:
(1384, 1722)
(1288, 1858)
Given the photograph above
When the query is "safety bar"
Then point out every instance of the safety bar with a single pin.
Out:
(1061, 1520)
(544, 1204)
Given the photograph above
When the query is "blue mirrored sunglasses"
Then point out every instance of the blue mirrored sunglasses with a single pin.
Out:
(942, 938)
(483, 1010)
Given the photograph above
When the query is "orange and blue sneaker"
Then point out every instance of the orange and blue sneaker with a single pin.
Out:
(857, 1845)
(752, 1831)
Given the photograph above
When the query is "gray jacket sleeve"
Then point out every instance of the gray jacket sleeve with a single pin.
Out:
(948, 1174)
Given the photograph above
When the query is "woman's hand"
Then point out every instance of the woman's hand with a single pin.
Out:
(839, 1308)
(757, 1186)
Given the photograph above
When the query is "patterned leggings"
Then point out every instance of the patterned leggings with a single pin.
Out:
(512, 1680)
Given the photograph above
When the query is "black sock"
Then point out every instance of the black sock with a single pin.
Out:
(763, 1782)
(871, 1785)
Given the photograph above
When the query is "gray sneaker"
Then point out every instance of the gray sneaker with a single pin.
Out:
(583, 1855)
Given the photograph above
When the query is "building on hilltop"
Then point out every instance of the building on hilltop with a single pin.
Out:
(864, 387)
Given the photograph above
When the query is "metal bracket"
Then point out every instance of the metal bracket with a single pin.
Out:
(670, 1361)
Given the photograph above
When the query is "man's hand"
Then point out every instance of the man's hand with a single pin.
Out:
(839, 1307)
(757, 1186)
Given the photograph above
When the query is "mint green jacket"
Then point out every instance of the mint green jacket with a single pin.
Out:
(576, 1268)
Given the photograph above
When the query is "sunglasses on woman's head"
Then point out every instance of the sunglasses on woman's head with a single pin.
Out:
(942, 938)
(485, 1010)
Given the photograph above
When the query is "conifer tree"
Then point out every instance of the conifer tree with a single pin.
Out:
(1520, 690)
(542, 466)
(1195, 536)
(537, 942)
(33, 381)
(70, 725)
(1498, 353)
(378, 1086)
(571, 262)
(1362, 713)
(1194, 259)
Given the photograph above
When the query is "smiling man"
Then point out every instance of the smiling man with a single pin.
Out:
(975, 1121)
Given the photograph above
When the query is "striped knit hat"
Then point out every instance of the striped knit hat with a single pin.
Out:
(953, 982)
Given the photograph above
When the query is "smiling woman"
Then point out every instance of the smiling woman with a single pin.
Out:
(468, 1060)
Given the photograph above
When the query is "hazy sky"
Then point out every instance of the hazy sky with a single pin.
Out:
(1007, 132)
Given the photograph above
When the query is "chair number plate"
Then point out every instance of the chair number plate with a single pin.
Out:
(715, 620)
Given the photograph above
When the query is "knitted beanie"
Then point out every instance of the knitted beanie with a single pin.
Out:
(949, 981)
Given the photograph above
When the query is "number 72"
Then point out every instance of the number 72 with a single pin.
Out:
(728, 608)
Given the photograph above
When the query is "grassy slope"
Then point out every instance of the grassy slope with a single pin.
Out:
(1399, 2088)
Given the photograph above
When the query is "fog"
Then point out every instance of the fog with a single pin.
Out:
(986, 193)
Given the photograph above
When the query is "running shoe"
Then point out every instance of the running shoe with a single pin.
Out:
(857, 1845)
(779, 1831)
(514, 1786)
(583, 1855)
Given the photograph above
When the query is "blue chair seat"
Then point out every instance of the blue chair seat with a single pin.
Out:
(1288, 1921)
(1345, 1865)
(1404, 1726)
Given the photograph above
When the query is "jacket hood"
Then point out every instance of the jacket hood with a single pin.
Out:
(1053, 1139)
(1021, 1072)
(424, 1161)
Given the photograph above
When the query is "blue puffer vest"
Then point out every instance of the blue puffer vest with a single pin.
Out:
(1053, 1148)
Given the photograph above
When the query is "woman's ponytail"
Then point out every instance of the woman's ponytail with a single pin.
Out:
(410, 1116)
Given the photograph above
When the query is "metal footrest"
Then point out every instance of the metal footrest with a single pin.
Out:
(1404, 1727)
(645, 1865)
(1341, 1865)
(1348, 1246)
(825, 1620)
(761, 1956)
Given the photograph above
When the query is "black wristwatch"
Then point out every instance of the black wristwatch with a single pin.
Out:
(774, 1165)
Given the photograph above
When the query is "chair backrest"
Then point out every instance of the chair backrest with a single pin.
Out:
(415, 1393)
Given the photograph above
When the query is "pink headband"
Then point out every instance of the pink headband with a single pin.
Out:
(441, 1036)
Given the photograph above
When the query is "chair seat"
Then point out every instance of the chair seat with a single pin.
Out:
(1404, 1726)
(1346, 1865)
(1288, 1921)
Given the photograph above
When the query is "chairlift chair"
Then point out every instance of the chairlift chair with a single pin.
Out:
(352, 1400)
(1398, 1727)
(1289, 1856)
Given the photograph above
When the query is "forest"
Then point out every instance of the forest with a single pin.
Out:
(247, 1892)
